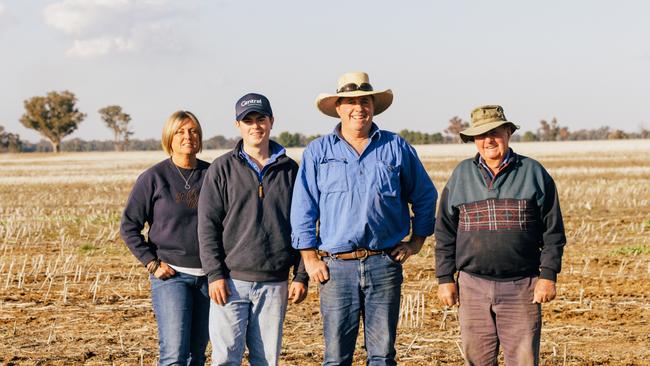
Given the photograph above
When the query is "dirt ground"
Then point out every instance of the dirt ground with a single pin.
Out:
(71, 293)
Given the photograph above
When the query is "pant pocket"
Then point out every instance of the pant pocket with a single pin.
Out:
(390, 259)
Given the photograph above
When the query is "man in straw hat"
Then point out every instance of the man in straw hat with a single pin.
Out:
(349, 215)
(500, 226)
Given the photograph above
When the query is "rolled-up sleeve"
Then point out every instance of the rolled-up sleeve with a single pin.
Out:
(304, 204)
(422, 194)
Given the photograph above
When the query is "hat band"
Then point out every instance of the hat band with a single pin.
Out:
(354, 87)
(483, 121)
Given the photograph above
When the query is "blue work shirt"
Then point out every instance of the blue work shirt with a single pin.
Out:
(360, 201)
(275, 151)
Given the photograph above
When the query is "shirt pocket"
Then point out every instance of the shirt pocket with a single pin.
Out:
(388, 179)
(332, 175)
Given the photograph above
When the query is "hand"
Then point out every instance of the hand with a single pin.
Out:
(318, 270)
(405, 249)
(219, 291)
(448, 294)
(544, 291)
(163, 272)
(314, 266)
(297, 292)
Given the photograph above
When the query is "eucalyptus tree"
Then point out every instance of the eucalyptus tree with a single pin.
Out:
(54, 116)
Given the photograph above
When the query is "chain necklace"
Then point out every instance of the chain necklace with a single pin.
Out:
(187, 181)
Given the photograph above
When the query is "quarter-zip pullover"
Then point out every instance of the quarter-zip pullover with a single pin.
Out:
(503, 229)
(243, 221)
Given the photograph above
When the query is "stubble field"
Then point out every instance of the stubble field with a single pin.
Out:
(71, 293)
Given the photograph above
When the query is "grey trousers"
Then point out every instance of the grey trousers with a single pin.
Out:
(493, 313)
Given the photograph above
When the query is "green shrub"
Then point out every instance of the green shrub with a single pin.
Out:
(633, 250)
(85, 248)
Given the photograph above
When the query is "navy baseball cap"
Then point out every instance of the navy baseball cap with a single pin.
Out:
(252, 102)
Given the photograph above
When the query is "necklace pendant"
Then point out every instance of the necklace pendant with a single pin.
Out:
(187, 181)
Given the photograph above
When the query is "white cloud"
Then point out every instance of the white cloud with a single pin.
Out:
(3, 14)
(100, 46)
(5, 18)
(101, 27)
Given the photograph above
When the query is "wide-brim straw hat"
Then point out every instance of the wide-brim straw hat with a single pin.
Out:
(486, 118)
(354, 84)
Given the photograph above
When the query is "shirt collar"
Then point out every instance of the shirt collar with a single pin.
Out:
(504, 162)
(275, 151)
(374, 132)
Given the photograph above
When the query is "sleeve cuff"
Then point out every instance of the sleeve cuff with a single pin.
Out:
(445, 279)
(304, 243)
(548, 274)
(146, 258)
(215, 276)
(302, 278)
(423, 230)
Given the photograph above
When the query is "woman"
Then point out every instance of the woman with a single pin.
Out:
(166, 197)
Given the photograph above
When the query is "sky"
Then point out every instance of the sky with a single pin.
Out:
(587, 63)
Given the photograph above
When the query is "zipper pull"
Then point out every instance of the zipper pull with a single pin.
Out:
(260, 191)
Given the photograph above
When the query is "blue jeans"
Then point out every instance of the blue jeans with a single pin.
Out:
(252, 317)
(368, 288)
(181, 304)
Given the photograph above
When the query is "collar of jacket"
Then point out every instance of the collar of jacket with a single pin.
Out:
(514, 158)
(235, 154)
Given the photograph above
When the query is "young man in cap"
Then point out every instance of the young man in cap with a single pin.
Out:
(500, 226)
(349, 214)
(245, 241)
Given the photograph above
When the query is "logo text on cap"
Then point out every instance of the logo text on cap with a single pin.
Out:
(252, 101)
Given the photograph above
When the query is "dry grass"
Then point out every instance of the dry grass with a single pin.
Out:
(71, 293)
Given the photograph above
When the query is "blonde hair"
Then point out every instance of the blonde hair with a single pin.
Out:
(174, 122)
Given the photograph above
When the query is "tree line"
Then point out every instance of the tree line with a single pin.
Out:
(55, 116)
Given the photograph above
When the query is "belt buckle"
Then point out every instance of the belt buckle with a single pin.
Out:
(365, 253)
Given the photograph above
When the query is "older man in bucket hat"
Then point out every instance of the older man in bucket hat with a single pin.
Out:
(349, 215)
(500, 227)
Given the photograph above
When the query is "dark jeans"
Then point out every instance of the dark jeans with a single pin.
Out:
(370, 288)
(493, 313)
(182, 306)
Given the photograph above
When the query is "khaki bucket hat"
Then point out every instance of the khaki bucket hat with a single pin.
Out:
(354, 84)
(486, 118)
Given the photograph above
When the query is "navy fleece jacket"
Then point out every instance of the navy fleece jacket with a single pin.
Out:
(244, 229)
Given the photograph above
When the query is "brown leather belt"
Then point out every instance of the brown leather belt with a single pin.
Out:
(361, 253)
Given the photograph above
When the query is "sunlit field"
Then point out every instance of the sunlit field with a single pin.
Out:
(71, 292)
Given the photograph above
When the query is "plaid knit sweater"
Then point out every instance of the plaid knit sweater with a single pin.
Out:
(501, 229)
